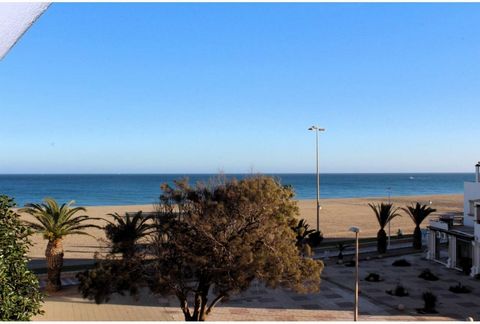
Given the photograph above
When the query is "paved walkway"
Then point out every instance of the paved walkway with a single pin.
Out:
(449, 304)
(333, 302)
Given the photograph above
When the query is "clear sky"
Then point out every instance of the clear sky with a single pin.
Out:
(165, 88)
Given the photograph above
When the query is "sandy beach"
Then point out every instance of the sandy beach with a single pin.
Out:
(336, 216)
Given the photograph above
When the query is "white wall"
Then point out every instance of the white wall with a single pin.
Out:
(471, 192)
(15, 19)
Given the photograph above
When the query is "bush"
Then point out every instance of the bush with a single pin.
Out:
(460, 289)
(20, 296)
(430, 301)
(373, 277)
(401, 263)
(350, 263)
(399, 291)
(341, 247)
(315, 238)
(428, 275)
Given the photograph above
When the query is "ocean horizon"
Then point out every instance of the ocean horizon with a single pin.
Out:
(140, 189)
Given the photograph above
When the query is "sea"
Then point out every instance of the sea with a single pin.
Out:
(137, 189)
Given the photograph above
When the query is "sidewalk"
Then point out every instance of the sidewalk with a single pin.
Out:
(333, 302)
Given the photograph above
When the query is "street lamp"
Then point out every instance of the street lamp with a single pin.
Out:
(356, 230)
(389, 189)
(317, 130)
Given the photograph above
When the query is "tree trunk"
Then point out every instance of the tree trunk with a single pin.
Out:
(381, 241)
(417, 238)
(54, 255)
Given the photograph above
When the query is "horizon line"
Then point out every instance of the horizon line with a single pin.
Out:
(238, 173)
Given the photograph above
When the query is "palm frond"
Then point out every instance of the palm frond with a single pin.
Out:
(384, 213)
(56, 221)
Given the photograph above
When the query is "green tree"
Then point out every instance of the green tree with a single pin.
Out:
(124, 232)
(20, 296)
(418, 213)
(214, 241)
(384, 213)
(55, 222)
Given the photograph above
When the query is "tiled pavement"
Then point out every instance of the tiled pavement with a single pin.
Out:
(451, 305)
(333, 302)
(258, 304)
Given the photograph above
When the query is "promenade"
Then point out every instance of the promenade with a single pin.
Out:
(333, 302)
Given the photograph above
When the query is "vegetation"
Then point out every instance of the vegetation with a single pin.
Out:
(399, 291)
(315, 238)
(213, 241)
(20, 296)
(428, 275)
(341, 248)
(302, 230)
(401, 263)
(373, 277)
(55, 222)
(430, 302)
(307, 236)
(350, 263)
(460, 289)
(418, 214)
(384, 213)
(125, 232)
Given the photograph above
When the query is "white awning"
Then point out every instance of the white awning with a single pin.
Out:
(15, 19)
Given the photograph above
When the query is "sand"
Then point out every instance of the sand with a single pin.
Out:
(336, 217)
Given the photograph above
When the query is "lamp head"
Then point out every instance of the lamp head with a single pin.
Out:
(316, 128)
(354, 229)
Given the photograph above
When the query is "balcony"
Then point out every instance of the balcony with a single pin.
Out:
(447, 221)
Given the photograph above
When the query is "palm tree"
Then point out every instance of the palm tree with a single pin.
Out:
(418, 213)
(385, 213)
(302, 231)
(55, 222)
(124, 232)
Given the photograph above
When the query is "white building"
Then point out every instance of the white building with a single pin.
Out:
(455, 241)
(15, 19)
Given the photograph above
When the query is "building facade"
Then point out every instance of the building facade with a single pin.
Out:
(454, 240)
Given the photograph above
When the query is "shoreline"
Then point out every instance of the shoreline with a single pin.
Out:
(376, 198)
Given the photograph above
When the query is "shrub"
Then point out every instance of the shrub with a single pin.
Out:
(315, 238)
(399, 291)
(460, 289)
(430, 301)
(428, 275)
(373, 277)
(341, 247)
(401, 263)
(350, 263)
(20, 296)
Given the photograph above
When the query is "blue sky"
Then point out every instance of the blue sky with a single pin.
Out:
(165, 88)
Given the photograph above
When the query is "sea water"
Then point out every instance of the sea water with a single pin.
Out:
(130, 189)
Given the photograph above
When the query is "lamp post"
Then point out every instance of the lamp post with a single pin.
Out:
(317, 130)
(356, 230)
(389, 189)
